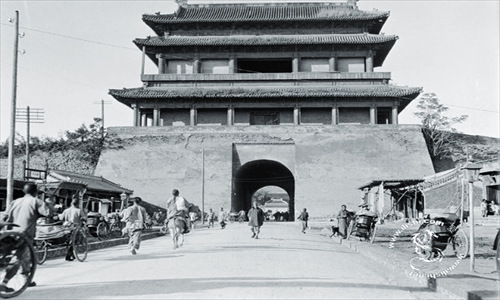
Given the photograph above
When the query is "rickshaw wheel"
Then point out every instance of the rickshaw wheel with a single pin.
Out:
(9, 258)
(372, 234)
(42, 250)
(80, 245)
(460, 244)
(350, 229)
(102, 230)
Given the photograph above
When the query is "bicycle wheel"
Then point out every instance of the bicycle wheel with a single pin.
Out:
(102, 230)
(42, 249)
(460, 244)
(80, 245)
(372, 234)
(18, 258)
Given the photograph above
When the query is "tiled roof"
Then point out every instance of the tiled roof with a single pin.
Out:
(259, 40)
(93, 183)
(265, 12)
(384, 90)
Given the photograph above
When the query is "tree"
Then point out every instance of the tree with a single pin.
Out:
(437, 127)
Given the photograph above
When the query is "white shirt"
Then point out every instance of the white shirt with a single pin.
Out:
(180, 203)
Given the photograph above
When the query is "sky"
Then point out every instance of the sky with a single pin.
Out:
(75, 51)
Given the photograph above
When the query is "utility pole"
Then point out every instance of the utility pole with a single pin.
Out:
(471, 225)
(102, 118)
(29, 115)
(12, 136)
(462, 197)
(203, 187)
(102, 102)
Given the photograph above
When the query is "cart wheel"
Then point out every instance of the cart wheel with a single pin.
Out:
(350, 229)
(18, 255)
(164, 229)
(460, 244)
(80, 245)
(42, 249)
(102, 230)
(372, 234)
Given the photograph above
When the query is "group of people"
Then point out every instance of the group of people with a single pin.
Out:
(489, 208)
(281, 216)
(25, 211)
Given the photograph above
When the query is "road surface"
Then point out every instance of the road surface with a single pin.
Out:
(227, 264)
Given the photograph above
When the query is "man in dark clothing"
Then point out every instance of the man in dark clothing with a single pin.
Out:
(304, 217)
(256, 219)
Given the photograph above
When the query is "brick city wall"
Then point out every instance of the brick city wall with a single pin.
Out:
(329, 163)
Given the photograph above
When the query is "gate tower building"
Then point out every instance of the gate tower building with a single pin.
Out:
(282, 94)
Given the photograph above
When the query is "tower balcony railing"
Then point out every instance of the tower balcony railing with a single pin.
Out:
(256, 77)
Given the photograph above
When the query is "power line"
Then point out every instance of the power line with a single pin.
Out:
(492, 111)
(73, 38)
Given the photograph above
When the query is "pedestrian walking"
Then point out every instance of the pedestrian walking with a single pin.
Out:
(135, 216)
(342, 218)
(211, 218)
(484, 208)
(24, 212)
(72, 218)
(222, 218)
(304, 217)
(255, 219)
(182, 207)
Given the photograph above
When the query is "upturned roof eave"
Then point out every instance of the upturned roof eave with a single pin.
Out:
(267, 40)
(128, 96)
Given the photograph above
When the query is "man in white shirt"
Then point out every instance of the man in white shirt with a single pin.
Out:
(182, 207)
(72, 217)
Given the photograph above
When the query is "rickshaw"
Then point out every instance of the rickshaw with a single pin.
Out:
(96, 221)
(102, 222)
(54, 235)
(363, 226)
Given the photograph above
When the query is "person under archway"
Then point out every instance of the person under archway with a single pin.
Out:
(256, 219)
(304, 217)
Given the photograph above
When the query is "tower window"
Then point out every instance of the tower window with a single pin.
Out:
(264, 118)
(265, 66)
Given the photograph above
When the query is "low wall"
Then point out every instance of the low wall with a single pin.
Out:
(330, 162)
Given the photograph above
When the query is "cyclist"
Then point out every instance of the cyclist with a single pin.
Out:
(24, 212)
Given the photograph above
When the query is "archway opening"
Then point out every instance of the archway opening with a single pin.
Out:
(274, 201)
(254, 175)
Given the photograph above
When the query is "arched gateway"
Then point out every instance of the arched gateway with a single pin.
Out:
(257, 174)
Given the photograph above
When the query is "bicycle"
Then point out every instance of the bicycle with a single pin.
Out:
(17, 261)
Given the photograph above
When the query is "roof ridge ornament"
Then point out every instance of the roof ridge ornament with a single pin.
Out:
(182, 3)
(353, 3)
